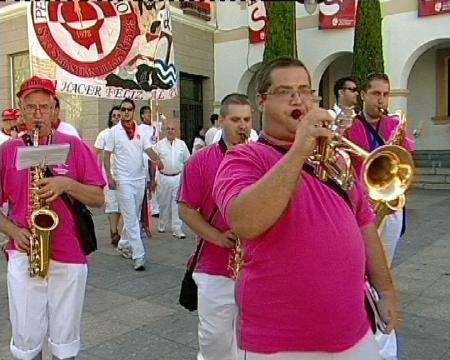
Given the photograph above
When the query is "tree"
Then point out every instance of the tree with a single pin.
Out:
(368, 43)
(280, 30)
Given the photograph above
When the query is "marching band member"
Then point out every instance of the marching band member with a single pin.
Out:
(216, 303)
(53, 304)
(307, 247)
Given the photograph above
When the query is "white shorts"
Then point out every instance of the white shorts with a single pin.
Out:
(39, 305)
(112, 204)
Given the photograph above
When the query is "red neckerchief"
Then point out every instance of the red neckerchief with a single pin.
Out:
(130, 128)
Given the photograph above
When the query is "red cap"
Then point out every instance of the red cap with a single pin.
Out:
(36, 84)
(10, 114)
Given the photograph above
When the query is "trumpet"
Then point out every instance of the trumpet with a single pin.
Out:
(388, 170)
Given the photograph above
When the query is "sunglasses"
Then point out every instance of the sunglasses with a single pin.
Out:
(352, 89)
(130, 109)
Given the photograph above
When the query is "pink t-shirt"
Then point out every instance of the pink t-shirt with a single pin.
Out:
(302, 285)
(361, 136)
(81, 165)
(196, 192)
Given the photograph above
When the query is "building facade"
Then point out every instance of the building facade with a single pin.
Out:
(416, 52)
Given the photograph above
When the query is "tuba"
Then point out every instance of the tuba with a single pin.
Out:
(43, 222)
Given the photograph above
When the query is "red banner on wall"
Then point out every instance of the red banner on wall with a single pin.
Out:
(433, 7)
(257, 21)
(337, 14)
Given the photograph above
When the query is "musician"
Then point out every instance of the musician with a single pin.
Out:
(307, 246)
(373, 128)
(10, 128)
(53, 304)
(213, 276)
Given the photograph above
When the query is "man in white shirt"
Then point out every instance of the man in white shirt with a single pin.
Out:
(111, 202)
(127, 144)
(209, 136)
(174, 154)
(346, 92)
(63, 126)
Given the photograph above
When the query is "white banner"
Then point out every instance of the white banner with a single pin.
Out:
(105, 49)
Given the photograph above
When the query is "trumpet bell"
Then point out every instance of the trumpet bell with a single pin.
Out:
(388, 172)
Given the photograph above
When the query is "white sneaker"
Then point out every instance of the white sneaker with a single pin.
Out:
(125, 251)
(139, 264)
(179, 234)
(161, 227)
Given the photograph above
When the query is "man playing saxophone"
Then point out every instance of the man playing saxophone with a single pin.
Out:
(372, 128)
(216, 303)
(52, 304)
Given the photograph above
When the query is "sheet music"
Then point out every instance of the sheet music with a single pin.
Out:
(29, 156)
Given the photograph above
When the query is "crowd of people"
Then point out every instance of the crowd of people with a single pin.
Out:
(305, 246)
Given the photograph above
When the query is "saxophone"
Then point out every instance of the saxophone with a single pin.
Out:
(384, 208)
(43, 221)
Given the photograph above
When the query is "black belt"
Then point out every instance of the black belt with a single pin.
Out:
(171, 174)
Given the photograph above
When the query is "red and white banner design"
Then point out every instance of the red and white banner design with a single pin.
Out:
(257, 20)
(433, 7)
(337, 14)
(105, 49)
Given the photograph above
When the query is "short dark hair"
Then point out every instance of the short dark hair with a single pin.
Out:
(143, 108)
(372, 77)
(115, 107)
(129, 101)
(340, 84)
(213, 118)
(233, 99)
(263, 78)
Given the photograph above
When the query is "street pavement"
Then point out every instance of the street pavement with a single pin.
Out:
(135, 315)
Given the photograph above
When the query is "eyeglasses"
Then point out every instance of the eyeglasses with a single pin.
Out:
(304, 93)
(352, 89)
(32, 108)
(130, 109)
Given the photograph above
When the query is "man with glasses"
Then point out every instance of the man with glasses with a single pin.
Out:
(53, 304)
(301, 289)
(127, 144)
(373, 128)
(346, 93)
(111, 203)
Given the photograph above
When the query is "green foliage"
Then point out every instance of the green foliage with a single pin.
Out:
(281, 30)
(368, 43)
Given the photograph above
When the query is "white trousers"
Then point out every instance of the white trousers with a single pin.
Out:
(166, 195)
(390, 235)
(130, 196)
(366, 350)
(217, 313)
(39, 305)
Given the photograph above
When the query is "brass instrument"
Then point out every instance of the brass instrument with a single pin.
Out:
(388, 170)
(43, 221)
(382, 207)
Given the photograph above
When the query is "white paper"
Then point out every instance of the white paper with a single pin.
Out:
(29, 156)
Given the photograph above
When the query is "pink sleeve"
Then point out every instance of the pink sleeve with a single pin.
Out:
(240, 169)
(192, 182)
(88, 170)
